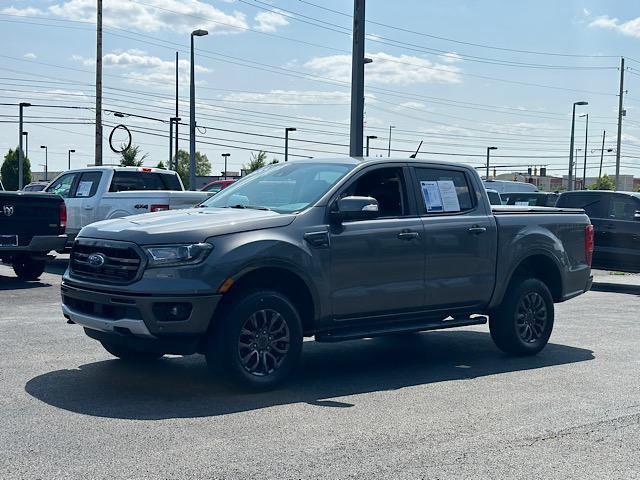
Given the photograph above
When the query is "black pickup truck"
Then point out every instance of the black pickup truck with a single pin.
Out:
(31, 225)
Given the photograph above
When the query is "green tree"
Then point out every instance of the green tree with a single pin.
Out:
(161, 165)
(274, 161)
(258, 160)
(9, 170)
(129, 157)
(203, 166)
(603, 183)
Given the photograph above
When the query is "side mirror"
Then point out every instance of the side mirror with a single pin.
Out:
(356, 208)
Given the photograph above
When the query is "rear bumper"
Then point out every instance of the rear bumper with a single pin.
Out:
(39, 244)
(579, 283)
(136, 315)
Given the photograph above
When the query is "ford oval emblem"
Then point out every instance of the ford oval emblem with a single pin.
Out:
(8, 210)
(96, 260)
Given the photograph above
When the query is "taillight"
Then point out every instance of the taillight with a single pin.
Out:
(158, 208)
(62, 214)
(589, 244)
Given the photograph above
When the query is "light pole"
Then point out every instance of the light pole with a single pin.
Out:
(70, 152)
(46, 162)
(586, 138)
(225, 156)
(573, 130)
(370, 137)
(389, 151)
(488, 154)
(173, 158)
(26, 144)
(604, 135)
(192, 115)
(21, 106)
(286, 142)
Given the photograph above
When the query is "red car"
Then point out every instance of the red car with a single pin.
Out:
(217, 185)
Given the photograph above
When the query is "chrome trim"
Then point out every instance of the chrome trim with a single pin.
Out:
(136, 327)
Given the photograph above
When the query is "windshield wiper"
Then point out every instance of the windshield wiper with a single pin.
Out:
(251, 207)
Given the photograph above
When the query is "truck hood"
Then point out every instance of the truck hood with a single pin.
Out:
(184, 226)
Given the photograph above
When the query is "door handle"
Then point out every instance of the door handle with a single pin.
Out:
(408, 235)
(477, 230)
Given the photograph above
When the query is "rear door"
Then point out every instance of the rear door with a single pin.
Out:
(86, 194)
(460, 238)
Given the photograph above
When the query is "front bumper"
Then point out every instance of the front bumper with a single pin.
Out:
(39, 244)
(136, 315)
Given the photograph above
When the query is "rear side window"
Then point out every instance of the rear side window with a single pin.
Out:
(444, 191)
(127, 181)
(62, 186)
(622, 207)
(593, 205)
(171, 182)
(88, 184)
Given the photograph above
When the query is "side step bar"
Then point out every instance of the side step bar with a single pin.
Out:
(379, 330)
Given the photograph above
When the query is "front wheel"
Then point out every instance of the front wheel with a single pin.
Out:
(28, 268)
(523, 323)
(257, 341)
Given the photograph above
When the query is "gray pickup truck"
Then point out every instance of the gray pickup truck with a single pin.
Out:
(335, 249)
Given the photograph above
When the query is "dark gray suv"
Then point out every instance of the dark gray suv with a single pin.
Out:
(335, 249)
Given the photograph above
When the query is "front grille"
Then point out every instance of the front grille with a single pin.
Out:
(122, 261)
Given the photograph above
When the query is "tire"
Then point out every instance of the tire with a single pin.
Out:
(523, 323)
(256, 342)
(27, 268)
(129, 354)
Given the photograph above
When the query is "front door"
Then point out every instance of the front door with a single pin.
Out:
(621, 233)
(65, 186)
(377, 266)
(460, 239)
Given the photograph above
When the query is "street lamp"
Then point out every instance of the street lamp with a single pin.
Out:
(192, 115)
(70, 152)
(21, 107)
(586, 138)
(172, 120)
(573, 129)
(389, 152)
(370, 137)
(225, 156)
(46, 162)
(489, 150)
(26, 144)
(286, 142)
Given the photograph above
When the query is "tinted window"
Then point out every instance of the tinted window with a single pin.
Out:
(387, 186)
(88, 184)
(435, 185)
(62, 186)
(622, 207)
(125, 181)
(171, 181)
(494, 198)
(593, 204)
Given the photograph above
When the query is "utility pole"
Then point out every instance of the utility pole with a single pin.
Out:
(21, 107)
(170, 143)
(604, 134)
(192, 113)
(46, 162)
(177, 118)
(286, 142)
(357, 80)
(26, 144)
(369, 138)
(70, 152)
(573, 131)
(389, 150)
(225, 156)
(620, 115)
(98, 152)
(488, 153)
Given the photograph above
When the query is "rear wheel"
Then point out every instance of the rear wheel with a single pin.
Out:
(523, 323)
(257, 341)
(28, 268)
(129, 354)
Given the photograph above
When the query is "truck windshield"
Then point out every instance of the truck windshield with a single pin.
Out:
(283, 188)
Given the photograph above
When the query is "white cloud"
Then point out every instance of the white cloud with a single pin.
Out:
(630, 27)
(154, 15)
(141, 67)
(412, 105)
(292, 97)
(387, 69)
(450, 57)
(269, 21)
(30, 55)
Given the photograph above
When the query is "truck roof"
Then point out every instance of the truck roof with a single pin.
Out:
(117, 168)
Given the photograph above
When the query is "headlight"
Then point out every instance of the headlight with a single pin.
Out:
(177, 255)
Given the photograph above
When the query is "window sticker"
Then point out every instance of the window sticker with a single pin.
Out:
(84, 189)
(440, 196)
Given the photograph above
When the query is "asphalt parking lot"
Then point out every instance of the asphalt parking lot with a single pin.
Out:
(433, 405)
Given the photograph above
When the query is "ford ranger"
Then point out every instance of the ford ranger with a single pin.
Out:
(335, 249)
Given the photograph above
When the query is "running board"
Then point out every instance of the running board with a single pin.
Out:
(391, 328)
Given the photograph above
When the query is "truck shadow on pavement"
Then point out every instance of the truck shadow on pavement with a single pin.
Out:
(180, 387)
(616, 288)
(13, 283)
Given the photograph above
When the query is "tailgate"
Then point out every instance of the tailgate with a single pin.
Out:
(29, 214)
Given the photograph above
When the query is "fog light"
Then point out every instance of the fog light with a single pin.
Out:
(172, 312)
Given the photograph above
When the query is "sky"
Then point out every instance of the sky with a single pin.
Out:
(459, 75)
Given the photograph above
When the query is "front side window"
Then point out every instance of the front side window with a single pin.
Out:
(284, 188)
(387, 186)
(443, 191)
(62, 186)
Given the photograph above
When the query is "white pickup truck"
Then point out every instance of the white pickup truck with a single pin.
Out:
(101, 193)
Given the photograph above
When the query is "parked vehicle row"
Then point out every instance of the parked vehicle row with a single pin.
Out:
(336, 249)
(102, 193)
